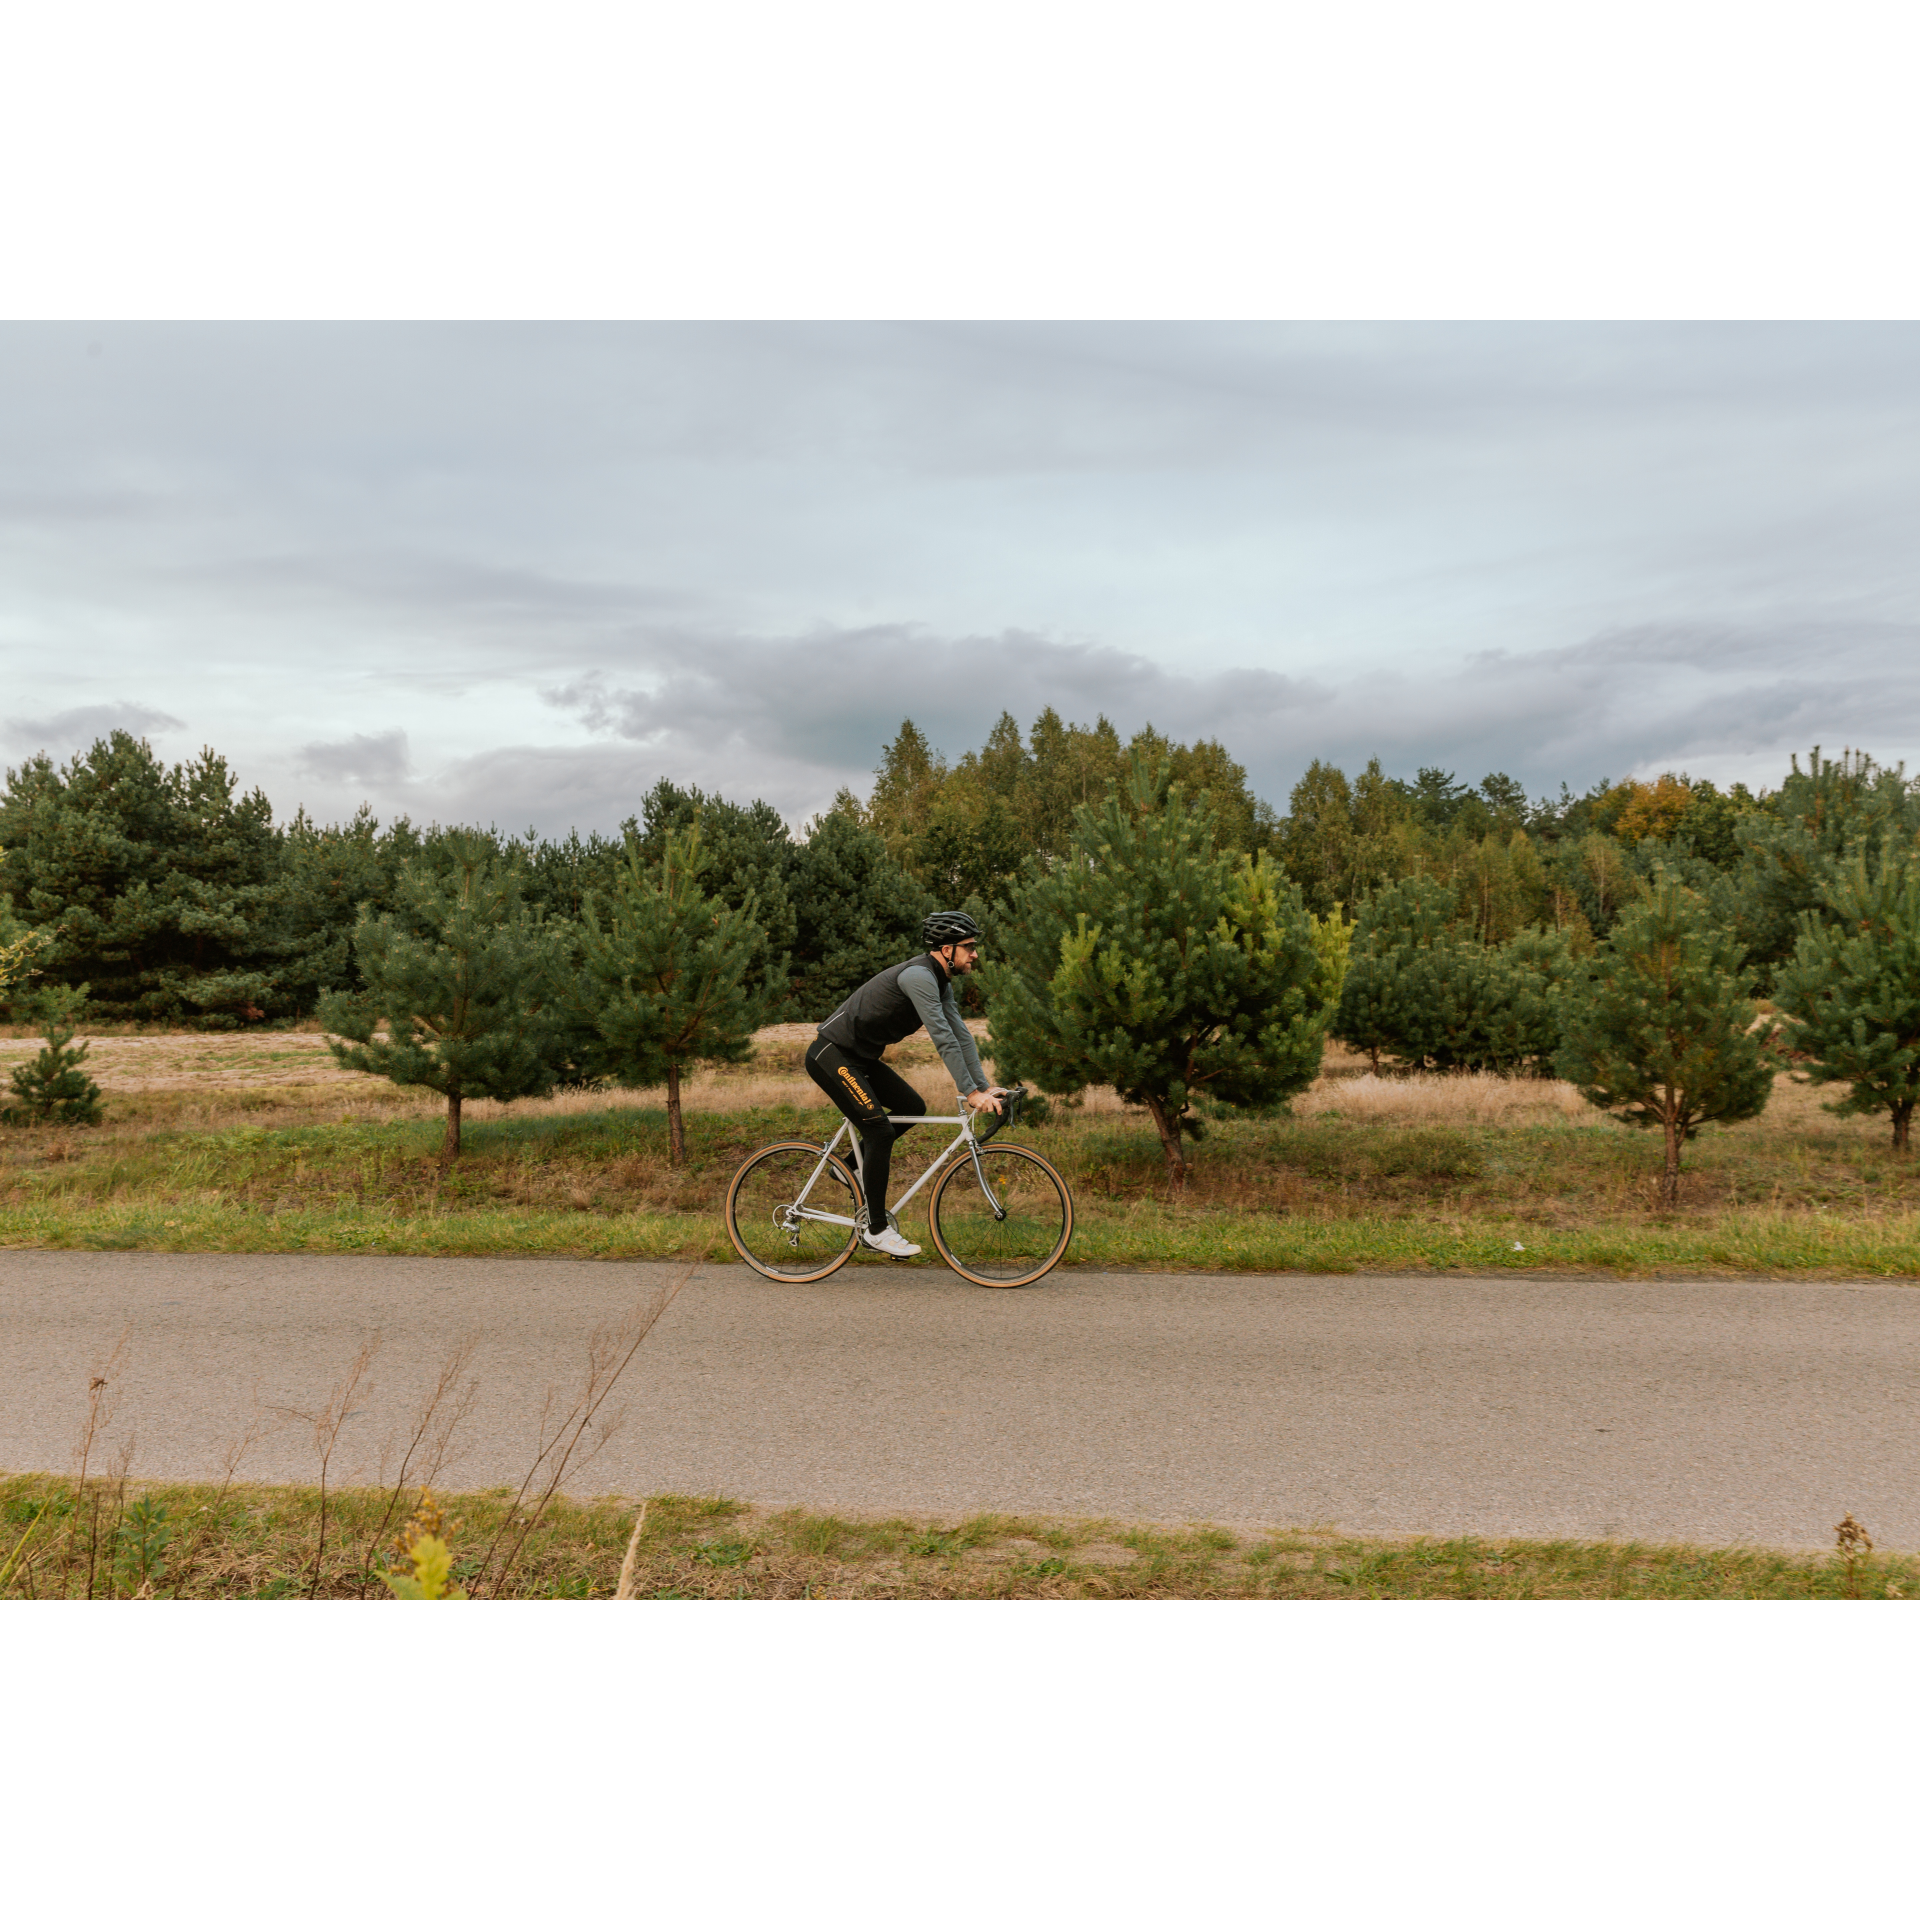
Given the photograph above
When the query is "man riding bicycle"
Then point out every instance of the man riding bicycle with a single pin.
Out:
(844, 1061)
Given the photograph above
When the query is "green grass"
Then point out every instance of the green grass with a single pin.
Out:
(1147, 1237)
(174, 1540)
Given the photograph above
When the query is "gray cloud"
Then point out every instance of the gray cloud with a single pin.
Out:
(1717, 701)
(824, 698)
(78, 727)
(377, 760)
(596, 786)
(792, 719)
(789, 719)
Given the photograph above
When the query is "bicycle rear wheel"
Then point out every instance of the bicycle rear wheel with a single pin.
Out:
(1016, 1244)
(766, 1226)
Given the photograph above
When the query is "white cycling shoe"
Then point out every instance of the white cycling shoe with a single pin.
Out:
(891, 1241)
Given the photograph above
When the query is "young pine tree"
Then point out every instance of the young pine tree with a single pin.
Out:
(1658, 1031)
(665, 975)
(1147, 961)
(1466, 1007)
(1426, 990)
(1852, 989)
(51, 1089)
(462, 975)
(1378, 998)
(1522, 1022)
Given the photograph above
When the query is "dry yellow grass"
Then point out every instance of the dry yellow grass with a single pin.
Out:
(146, 1062)
(242, 1077)
(1441, 1100)
(1350, 1089)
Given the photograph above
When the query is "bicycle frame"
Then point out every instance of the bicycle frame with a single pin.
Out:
(965, 1138)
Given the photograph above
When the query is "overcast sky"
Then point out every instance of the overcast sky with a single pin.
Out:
(516, 573)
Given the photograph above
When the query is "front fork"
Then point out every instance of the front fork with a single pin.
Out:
(980, 1174)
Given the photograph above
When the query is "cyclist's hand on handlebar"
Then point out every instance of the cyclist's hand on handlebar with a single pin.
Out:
(993, 1102)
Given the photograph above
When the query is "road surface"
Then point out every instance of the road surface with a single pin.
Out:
(1711, 1411)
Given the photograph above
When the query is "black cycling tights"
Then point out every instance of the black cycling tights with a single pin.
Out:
(866, 1091)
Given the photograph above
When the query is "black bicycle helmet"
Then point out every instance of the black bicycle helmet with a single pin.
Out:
(947, 929)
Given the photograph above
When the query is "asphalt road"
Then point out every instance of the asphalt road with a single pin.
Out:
(1710, 1411)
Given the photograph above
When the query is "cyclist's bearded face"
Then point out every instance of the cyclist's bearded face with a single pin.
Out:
(960, 958)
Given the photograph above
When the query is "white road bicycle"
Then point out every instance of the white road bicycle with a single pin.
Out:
(1001, 1216)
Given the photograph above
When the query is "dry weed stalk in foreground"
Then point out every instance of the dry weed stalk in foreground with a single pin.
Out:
(430, 1442)
(1850, 1541)
(344, 1403)
(102, 1384)
(572, 1439)
(114, 1489)
(624, 1591)
(102, 1394)
(209, 1514)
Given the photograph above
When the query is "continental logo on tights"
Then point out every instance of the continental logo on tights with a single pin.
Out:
(860, 1096)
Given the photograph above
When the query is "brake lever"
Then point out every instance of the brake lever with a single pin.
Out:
(1014, 1098)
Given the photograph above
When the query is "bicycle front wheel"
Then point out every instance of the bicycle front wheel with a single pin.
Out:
(1009, 1230)
(769, 1227)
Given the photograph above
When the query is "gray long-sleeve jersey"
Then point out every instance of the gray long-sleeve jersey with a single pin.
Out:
(940, 1014)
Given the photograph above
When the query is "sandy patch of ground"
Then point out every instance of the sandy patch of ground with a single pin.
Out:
(239, 1062)
(128, 1063)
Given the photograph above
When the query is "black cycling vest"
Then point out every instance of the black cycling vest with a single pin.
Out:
(871, 1018)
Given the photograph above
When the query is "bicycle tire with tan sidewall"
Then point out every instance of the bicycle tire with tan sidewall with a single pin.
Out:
(1009, 1270)
(760, 1184)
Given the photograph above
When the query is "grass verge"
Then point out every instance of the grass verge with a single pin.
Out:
(1434, 1172)
(1149, 1237)
(190, 1541)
